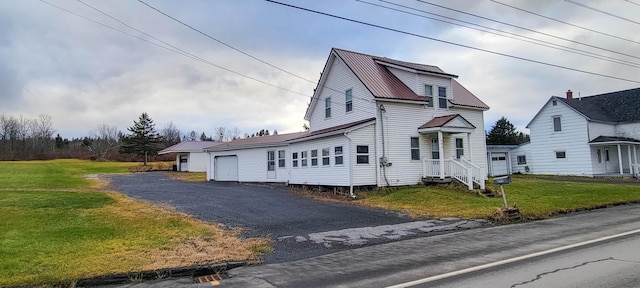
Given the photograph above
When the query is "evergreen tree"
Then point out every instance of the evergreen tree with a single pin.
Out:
(144, 140)
(504, 133)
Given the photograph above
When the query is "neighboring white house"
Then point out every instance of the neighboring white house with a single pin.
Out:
(373, 121)
(587, 136)
(190, 155)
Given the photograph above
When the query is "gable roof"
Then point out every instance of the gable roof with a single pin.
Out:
(619, 107)
(374, 74)
(332, 130)
(444, 120)
(189, 146)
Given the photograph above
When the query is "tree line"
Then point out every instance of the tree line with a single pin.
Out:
(24, 138)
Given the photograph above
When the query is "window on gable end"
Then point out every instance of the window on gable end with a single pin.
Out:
(348, 98)
(557, 124)
(442, 97)
(327, 107)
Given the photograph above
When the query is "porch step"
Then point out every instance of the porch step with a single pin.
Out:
(510, 214)
(485, 193)
(436, 180)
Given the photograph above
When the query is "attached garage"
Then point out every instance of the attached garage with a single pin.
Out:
(499, 159)
(226, 168)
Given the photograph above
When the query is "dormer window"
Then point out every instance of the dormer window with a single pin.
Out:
(442, 97)
(428, 93)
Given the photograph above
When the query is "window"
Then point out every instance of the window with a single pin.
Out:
(303, 156)
(362, 154)
(522, 159)
(428, 92)
(325, 156)
(327, 107)
(561, 155)
(554, 102)
(459, 148)
(415, 148)
(294, 158)
(281, 159)
(314, 157)
(606, 154)
(599, 153)
(348, 99)
(337, 151)
(442, 97)
(557, 124)
(271, 160)
(435, 150)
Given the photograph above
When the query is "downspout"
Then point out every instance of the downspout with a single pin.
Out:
(353, 196)
(384, 161)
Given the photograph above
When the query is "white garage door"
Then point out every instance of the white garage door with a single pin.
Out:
(226, 168)
(499, 164)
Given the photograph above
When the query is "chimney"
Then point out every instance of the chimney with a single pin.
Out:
(569, 94)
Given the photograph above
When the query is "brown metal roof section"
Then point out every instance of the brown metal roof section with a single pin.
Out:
(463, 97)
(335, 128)
(189, 146)
(415, 66)
(378, 80)
(439, 121)
(257, 141)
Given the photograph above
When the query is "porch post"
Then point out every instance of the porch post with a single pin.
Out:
(629, 152)
(441, 153)
(620, 159)
(470, 150)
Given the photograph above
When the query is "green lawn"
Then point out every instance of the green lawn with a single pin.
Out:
(536, 197)
(56, 226)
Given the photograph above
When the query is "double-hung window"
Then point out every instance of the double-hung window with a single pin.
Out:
(281, 159)
(338, 158)
(303, 156)
(362, 154)
(428, 92)
(442, 97)
(314, 157)
(294, 159)
(348, 100)
(522, 159)
(415, 148)
(327, 107)
(557, 124)
(325, 157)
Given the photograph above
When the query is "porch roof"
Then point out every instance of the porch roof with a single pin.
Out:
(454, 123)
(604, 140)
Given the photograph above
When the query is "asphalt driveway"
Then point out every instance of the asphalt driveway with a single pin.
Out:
(301, 227)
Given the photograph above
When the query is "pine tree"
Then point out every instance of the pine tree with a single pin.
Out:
(144, 140)
(504, 133)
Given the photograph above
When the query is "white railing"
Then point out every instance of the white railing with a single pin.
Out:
(462, 170)
(478, 175)
(635, 170)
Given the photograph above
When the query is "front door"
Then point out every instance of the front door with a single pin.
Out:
(607, 163)
(271, 164)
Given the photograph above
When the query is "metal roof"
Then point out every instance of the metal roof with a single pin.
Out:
(257, 142)
(189, 146)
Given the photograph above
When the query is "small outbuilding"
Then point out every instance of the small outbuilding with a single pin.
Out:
(190, 155)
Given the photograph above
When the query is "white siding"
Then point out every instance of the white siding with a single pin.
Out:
(522, 150)
(331, 175)
(401, 122)
(339, 79)
(416, 82)
(631, 130)
(364, 174)
(198, 161)
(252, 164)
(600, 129)
(573, 139)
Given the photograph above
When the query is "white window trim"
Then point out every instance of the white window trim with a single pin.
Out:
(349, 101)
(553, 123)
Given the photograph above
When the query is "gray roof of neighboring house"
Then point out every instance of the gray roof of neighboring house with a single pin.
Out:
(375, 76)
(605, 139)
(616, 107)
(189, 146)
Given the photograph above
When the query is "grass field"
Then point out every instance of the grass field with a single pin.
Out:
(56, 226)
(536, 197)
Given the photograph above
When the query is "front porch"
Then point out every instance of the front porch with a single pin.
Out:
(615, 157)
(460, 169)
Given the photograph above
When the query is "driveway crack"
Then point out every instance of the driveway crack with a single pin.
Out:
(539, 276)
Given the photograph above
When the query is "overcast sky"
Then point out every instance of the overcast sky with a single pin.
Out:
(84, 74)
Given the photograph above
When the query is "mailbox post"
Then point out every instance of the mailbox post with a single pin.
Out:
(501, 181)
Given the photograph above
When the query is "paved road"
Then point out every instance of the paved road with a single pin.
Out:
(410, 260)
(301, 227)
(614, 263)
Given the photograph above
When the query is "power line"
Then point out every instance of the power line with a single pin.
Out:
(246, 53)
(509, 34)
(527, 29)
(634, 3)
(602, 11)
(566, 23)
(450, 43)
(175, 50)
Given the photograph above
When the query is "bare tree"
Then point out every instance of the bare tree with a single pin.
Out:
(102, 141)
(220, 134)
(234, 134)
(170, 135)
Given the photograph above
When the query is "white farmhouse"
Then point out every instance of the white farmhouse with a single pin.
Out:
(587, 136)
(373, 121)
